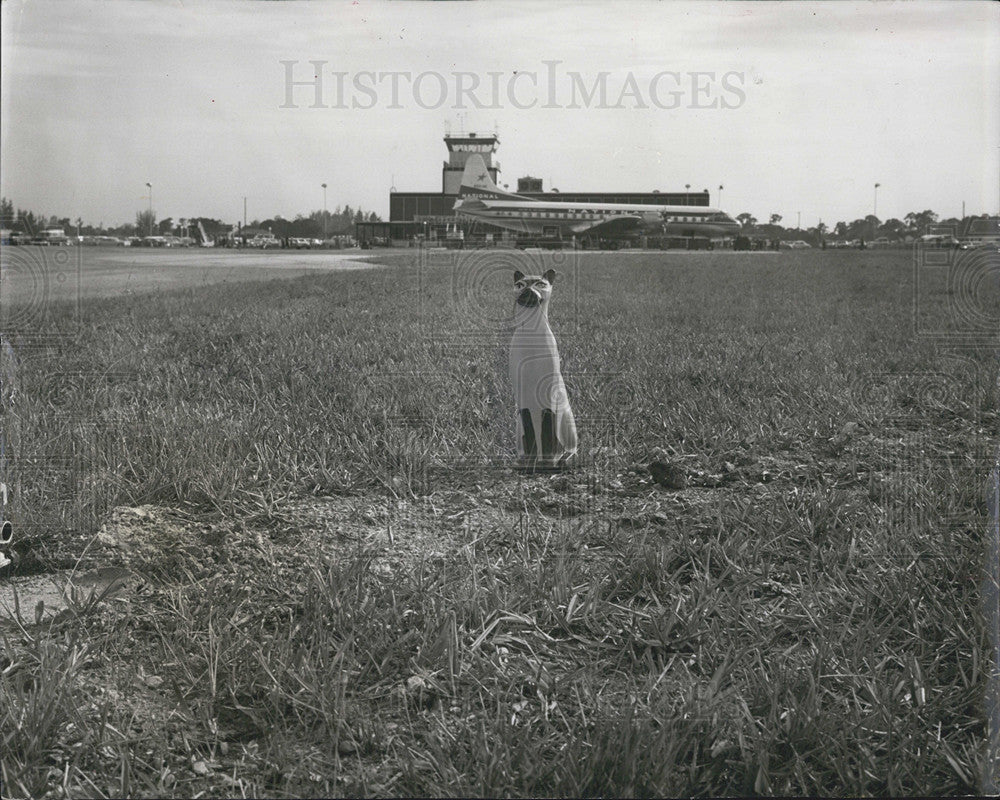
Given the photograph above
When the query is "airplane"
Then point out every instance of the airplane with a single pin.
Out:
(205, 241)
(479, 198)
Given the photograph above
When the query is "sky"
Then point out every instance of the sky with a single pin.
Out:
(795, 108)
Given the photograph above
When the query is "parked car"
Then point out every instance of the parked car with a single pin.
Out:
(51, 236)
(299, 243)
(938, 240)
(264, 242)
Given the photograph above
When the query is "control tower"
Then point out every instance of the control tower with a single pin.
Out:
(459, 149)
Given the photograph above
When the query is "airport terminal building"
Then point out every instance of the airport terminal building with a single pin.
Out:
(430, 216)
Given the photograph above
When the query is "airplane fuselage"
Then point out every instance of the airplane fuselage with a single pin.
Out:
(480, 199)
(567, 219)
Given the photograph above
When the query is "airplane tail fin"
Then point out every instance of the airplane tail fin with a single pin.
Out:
(477, 183)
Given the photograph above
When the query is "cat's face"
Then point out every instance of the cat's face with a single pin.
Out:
(533, 290)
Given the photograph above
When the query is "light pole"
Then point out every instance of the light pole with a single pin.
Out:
(687, 188)
(875, 213)
(150, 186)
(720, 195)
(324, 211)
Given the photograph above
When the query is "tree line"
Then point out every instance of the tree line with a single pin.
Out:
(914, 224)
(341, 221)
(315, 225)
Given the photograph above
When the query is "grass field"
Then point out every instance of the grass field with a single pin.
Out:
(342, 587)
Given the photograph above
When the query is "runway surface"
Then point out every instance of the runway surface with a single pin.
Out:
(52, 274)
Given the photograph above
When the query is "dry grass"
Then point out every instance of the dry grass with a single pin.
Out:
(356, 595)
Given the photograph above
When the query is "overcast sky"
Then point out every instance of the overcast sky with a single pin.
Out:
(793, 107)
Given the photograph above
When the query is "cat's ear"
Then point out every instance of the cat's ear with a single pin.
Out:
(518, 275)
(550, 275)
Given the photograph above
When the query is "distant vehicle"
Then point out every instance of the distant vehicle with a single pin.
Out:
(299, 243)
(153, 241)
(938, 240)
(796, 244)
(263, 242)
(881, 241)
(51, 236)
(177, 241)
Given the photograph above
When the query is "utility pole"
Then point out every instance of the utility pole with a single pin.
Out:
(150, 186)
(324, 211)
